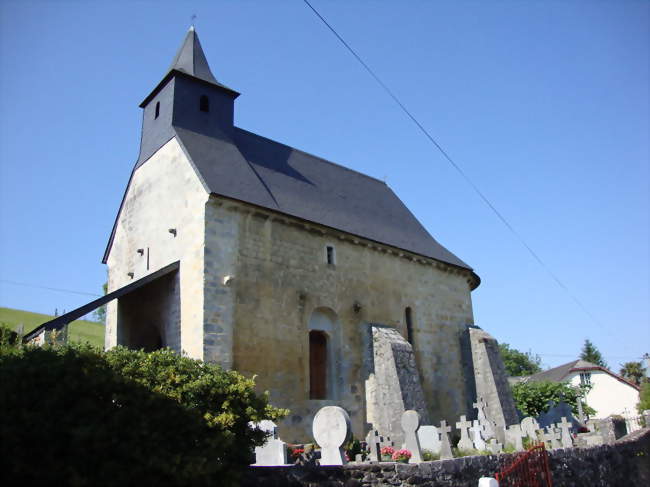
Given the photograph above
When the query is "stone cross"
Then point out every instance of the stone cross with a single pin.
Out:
(477, 435)
(465, 442)
(410, 426)
(481, 406)
(374, 445)
(429, 439)
(551, 438)
(331, 429)
(529, 427)
(514, 436)
(495, 446)
(445, 446)
(565, 428)
(274, 451)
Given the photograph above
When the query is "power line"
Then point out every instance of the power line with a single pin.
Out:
(69, 291)
(455, 166)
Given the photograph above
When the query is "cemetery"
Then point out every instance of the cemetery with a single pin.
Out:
(256, 258)
(471, 454)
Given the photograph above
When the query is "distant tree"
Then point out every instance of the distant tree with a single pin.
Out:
(100, 313)
(518, 363)
(532, 398)
(591, 354)
(633, 371)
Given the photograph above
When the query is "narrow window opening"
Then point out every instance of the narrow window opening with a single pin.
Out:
(317, 365)
(585, 378)
(204, 104)
(157, 109)
(330, 255)
(409, 325)
(147, 258)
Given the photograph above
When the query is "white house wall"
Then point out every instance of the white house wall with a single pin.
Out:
(608, 395)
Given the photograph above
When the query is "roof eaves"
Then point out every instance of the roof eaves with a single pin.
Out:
(603, 369)
(176, 72)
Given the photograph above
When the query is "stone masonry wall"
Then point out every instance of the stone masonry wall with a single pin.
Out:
(280, 276)
(623, 464)
(164, 193)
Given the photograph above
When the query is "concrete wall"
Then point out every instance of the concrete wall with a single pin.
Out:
(280, 276)
(609, 395)
(164, 193)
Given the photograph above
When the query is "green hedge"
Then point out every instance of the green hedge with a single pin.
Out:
(77, 416)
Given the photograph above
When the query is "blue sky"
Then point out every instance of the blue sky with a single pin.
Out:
(545, 105)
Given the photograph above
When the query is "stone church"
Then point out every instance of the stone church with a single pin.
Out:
(274, 262)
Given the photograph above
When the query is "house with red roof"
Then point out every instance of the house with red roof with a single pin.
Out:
(609, 394)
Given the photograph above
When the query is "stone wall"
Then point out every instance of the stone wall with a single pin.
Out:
(281, 277)
(164, 193)
(625, 463)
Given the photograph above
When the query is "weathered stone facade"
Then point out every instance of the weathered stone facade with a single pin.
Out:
(270, 249)
(250, 280)
(279, 278)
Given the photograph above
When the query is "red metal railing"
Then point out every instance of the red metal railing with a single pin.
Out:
(529, 469)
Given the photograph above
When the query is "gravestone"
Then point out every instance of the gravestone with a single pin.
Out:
(491, 378)
(529, 427)
(551, 438)
(488, 425)
(514, 437)
(565, 427)
(465, 442)
(429, 439)
(555, 413)
(393, 385)
(331, 429)
(477, 435)
(410, 426)
(495, 447)
(445, 445)
(274, 451)
(375, 443)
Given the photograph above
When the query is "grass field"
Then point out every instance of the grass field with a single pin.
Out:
(80, 330)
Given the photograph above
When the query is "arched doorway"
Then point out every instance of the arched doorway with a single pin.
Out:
(324, 338)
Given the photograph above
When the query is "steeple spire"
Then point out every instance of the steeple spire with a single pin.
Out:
(191, 60)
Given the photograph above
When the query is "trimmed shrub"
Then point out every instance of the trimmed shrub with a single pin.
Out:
(78, 416)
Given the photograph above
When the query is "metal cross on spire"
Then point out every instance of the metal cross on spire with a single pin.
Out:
(193, 19)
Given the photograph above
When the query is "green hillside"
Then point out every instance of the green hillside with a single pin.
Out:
(80, 330)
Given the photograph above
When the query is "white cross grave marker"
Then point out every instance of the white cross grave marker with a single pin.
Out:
(565, 427)
(477, 431)
(445, 446)
(465, 442)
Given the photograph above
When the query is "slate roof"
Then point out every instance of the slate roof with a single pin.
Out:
(558, 373)
(561, 372)
(247, 167)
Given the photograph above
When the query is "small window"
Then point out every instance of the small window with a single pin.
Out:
(409, 325)
(330, 255)
(204, 104)
(585, 378)
(157, 109)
